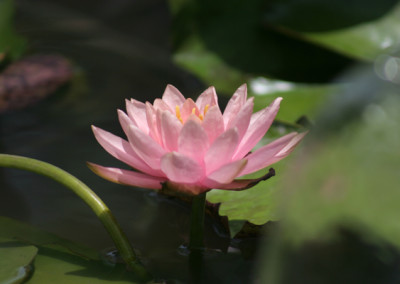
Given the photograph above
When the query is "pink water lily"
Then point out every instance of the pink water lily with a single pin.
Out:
(191, 145)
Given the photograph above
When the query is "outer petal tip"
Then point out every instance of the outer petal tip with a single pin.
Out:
(127, 177)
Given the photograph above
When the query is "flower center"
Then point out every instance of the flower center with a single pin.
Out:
(200, 115)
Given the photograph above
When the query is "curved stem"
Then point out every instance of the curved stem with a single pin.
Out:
(90, 198)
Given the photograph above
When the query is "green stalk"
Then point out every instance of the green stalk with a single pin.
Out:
(89, 197)
(196, 237)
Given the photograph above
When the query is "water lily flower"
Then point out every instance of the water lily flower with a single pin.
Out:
(191, 146)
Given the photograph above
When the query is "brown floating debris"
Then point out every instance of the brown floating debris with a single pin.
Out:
(31, 79)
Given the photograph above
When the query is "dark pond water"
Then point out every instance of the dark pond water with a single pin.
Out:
(120, 50)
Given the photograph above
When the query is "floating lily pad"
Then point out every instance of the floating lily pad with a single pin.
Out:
(55, 260)
(24, 233)
(15, 261)
(54, 266)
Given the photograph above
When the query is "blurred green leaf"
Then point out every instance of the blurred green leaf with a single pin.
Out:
(351, 177)
(235, 33)
(10, 42)
(299, 99)
(364, 41)
(324, 15)
(15, 261)
(345, 179)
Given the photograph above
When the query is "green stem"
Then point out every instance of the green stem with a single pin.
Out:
(90, 198)
(196, 237)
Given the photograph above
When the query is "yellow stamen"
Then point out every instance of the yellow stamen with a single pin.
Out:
(194, 110)
(178, 113)
(206, 108)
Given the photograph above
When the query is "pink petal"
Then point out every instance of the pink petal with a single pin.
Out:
(213, 123)
(272, 152)
(208, 97)
(146, 148)
(181, 169)
(241, 184)
(158, 125)
(225, 174)
(172, 97)
(195, 118)
(137, 112)
(170, 129)
(290, 146)
(242, 119)
(259, 124)
(221, 150)
(127, 177)
(187, 109)
(151, 114)
(160, 104)
(122, 150)
(193, 141)
(235, 104)
(124, 120)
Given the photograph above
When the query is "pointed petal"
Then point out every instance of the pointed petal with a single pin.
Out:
(145, 147)
(121, 149)
(137, 112)
(235, 104)
(172, 97)
(181, 169)
(160, 104)
(208, 97)
(272, 152)
(127, 177)
(187, 109)
(170, 129)
(241, 184)
(290, 146)
(242, 119)
(225, 174)
(151, 114)
(259, 124)
(213, 123)
(124, 120)
(193, 141)
(221, 150)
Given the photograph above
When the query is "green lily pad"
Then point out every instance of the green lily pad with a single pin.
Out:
(56, 260)
(24, 233)
(256, 205)
(15, 261)
(54, 266)
(10, 42)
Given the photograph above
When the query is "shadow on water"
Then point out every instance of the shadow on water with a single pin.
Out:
(120, 50)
